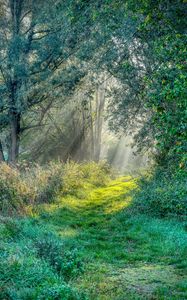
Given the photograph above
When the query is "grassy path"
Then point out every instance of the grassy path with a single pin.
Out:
(125, 255)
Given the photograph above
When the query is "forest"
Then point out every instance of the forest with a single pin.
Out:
(93, 149)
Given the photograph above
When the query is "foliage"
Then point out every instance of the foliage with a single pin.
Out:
(30, 184)
(12, 190)
(33, 275)
(77, 176)
(98, 173)
(63, 60)
(151, 95)
(66, 263)
(167, 100)
(162, 193)
(38, 61)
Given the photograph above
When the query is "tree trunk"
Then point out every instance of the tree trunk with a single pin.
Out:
(100, 104)
(2, 158)
(92, 150)
(15, 81)
(14, 138)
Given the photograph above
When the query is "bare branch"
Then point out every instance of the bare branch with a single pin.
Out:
(27, 13)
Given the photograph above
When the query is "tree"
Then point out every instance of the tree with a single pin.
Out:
(37, 40)
(72, 127)
(152, 78)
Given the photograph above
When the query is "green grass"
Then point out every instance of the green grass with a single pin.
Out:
(123, 255)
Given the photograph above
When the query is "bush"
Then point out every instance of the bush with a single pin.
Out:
(60, 292)
(12, 190)
(162, 194)
(33, 279)
(48, 181)
(73, 178)
(30, 185)
(77, 176)
(98, 174)
(25, 184)
(35, 264)
(66, 263)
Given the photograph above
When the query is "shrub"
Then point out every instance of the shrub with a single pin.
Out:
(12, 228)
(65, 262)
(11, 189)
(98, 174)
(48, 181)
(33, 279)
(77, 176)
(35, 264)
(73, 177)
(59, 292)
(30, 185)
(25, 184)
(162, 194)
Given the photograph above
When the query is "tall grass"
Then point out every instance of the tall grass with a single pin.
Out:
(26, 185)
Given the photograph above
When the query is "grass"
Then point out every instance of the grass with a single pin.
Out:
(123, 255)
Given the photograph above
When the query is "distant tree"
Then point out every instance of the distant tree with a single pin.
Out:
(72, 127)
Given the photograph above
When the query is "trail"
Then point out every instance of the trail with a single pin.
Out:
(126, 256)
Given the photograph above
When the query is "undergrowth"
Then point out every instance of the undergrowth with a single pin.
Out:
(27, 185)
(35, 263)
(94, 238)
(162, 193)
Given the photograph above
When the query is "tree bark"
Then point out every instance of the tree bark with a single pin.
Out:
(15, 82)
(100, 104)
(2, 158)
(14, 137)
(92, 150)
